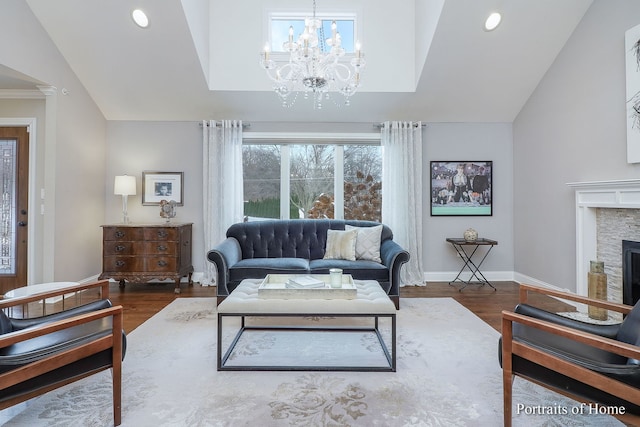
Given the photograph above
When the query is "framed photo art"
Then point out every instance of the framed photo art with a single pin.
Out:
(158, 186)
(461, 188)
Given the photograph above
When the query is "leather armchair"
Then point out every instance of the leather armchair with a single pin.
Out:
(40, 354)
(597, 363)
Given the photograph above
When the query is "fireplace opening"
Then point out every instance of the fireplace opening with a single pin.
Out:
(630, 272)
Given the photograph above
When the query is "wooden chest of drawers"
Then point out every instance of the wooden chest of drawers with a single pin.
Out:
(141, 252)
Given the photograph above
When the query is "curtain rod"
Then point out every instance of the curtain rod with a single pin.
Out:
(380, 125)
(244, 125)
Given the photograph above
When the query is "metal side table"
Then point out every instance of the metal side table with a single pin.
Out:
(459, 245)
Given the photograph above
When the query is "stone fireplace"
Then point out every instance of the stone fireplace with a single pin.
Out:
(607, 212)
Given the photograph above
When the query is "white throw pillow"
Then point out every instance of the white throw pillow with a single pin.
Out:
(368, 242)
(341, 245)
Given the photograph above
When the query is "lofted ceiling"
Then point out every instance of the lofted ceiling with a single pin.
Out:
(426, 59)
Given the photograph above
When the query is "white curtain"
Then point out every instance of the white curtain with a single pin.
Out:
(222, 184)
(402, 192)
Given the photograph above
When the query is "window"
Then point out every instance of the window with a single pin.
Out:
(279, 34)
(313, 181)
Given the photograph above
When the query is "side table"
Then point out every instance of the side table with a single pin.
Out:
(468, 264)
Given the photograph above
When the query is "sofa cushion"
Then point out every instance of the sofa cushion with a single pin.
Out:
(367, 242)
(341, 245)
(360, 270)
(260, 267)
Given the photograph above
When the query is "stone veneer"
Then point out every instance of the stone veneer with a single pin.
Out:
(614, 226)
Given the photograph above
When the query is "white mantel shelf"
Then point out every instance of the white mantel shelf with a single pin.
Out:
(614, 194)
(608, 194)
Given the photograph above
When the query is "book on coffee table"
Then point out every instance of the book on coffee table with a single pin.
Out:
(305, 282)
(278, 286)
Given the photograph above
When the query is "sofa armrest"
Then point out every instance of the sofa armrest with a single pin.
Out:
(224, 255)
(393, 256)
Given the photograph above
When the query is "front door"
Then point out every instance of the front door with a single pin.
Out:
(14, 185)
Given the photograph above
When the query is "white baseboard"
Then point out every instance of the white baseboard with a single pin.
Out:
(447, 276)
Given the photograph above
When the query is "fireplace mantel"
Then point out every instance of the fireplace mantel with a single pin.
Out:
(589, 196)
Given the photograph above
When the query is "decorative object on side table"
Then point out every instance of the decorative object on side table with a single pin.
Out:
(470, 235)
(168, 209)
(597, 289)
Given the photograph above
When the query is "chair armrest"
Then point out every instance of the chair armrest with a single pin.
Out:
(12, 302)
(59, 325)
(525, 289)
(603, 343)
(609, 331)
(77, 347)
(18, 324)
(224, 255)
(393, 256)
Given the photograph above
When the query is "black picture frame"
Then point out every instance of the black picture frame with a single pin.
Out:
(468, 195)
(158, 186)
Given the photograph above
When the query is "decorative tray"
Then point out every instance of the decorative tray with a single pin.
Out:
(274, 286)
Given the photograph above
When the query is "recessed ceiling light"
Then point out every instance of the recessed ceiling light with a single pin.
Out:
(140, 18)
(492, 21)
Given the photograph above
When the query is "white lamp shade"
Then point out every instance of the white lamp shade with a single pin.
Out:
(125, 185)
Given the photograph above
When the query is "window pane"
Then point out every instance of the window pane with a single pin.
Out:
(280, 33)
(312, 179)
(261, 170)
(363, 182)
(8, 152)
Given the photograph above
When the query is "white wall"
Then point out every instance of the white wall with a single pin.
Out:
(571, 129)
(480, 142)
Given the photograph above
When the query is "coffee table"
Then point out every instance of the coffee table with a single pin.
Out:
(266, 315)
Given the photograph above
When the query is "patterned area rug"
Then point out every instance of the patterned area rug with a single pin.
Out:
(448, 375)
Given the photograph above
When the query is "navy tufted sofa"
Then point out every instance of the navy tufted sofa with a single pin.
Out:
(254, 249)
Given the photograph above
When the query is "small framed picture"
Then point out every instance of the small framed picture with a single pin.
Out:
(158, 186)
(463, 188)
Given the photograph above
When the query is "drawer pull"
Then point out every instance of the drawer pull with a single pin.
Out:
(120, 263)
(119, 234)
(162, 263)
(120, 248)
(162, 234)
(162, 248)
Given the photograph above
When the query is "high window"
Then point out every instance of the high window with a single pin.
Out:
(296, 180)
(279, 25)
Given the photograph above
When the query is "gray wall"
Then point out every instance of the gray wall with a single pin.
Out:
(71, 150)
(176, 146)
(571, 129)
(135, 147)
(470, 141)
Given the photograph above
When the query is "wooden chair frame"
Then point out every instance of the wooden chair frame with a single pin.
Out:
(586, 376)
(112, 341)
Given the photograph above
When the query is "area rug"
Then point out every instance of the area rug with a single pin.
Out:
(448, 375)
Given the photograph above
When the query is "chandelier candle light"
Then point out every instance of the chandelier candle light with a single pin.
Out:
(310, 69)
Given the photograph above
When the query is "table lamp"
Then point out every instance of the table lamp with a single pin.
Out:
(125, 186)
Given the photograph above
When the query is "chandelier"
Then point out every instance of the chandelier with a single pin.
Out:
(310, 69)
